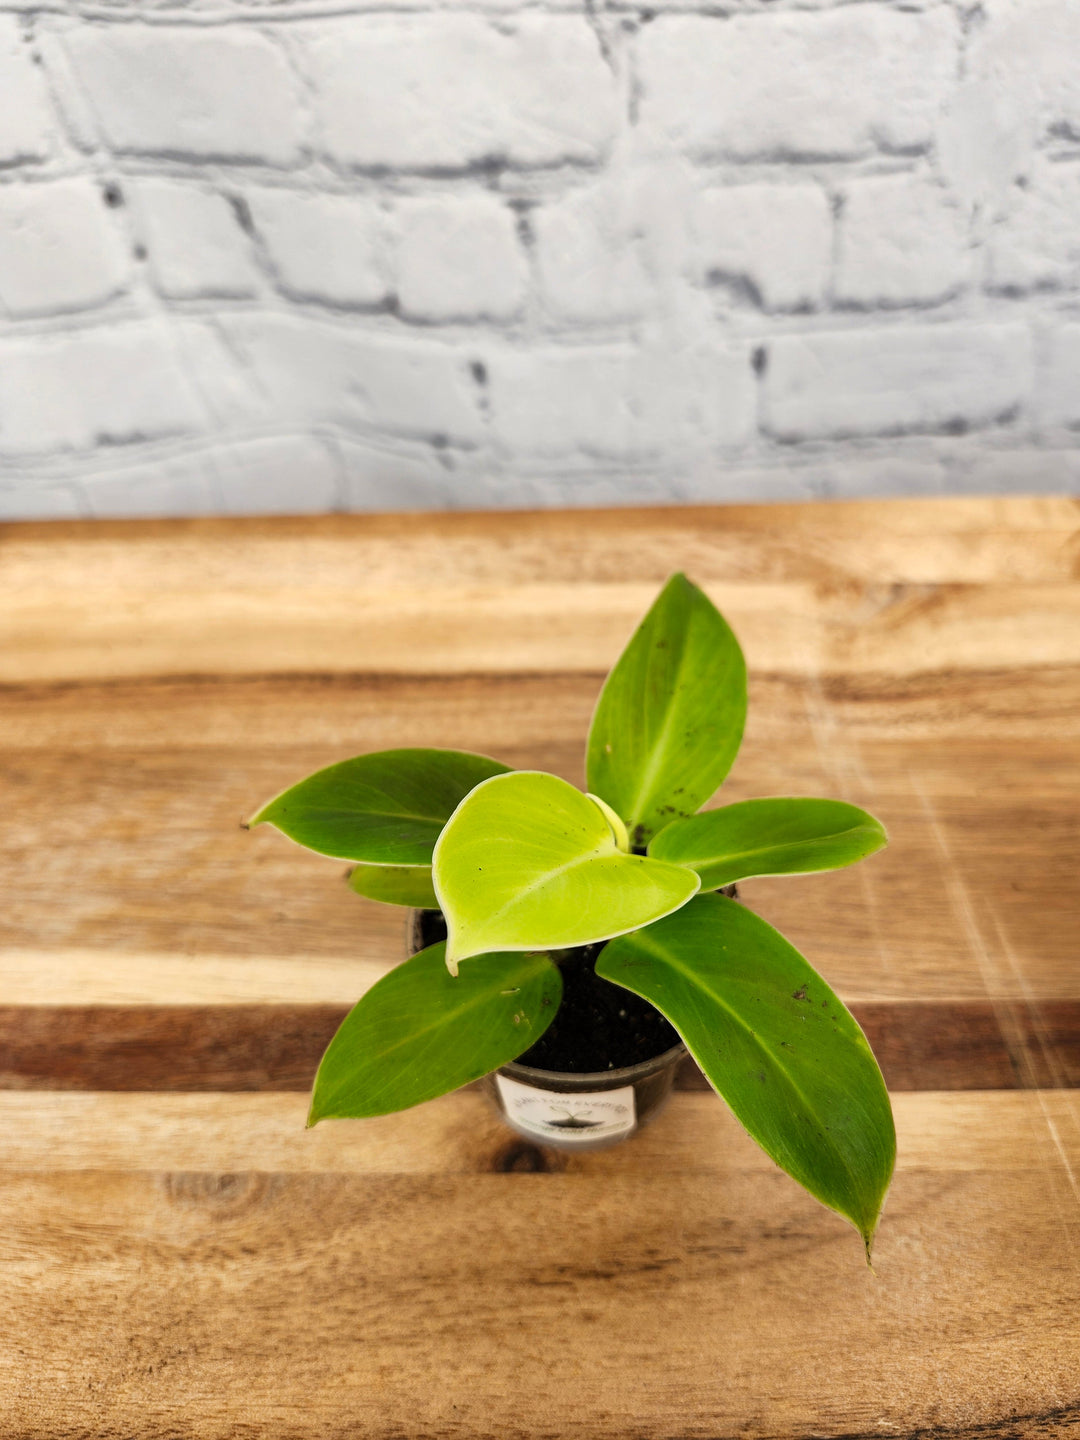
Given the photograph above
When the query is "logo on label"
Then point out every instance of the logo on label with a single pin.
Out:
(579, 1117)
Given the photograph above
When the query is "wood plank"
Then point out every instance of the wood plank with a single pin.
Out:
(920, 1045)
(810, 589)
(939, 540)
(340, 713)
(214, 1133)
(613, 1299)
(156, 978)
(46, 634)
(138, 817)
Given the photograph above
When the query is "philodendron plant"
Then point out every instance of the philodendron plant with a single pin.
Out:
(524, 867)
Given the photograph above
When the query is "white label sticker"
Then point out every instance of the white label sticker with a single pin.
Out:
(579, 1118)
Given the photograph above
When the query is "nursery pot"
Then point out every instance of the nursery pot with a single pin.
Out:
(584, 1108)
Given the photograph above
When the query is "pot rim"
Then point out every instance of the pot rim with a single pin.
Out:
(596, 1079)
(569, 1079)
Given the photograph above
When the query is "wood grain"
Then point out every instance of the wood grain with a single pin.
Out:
(121, 830)
(181, 1260)
(499, 594)
(510, 628)
(216, 1134)
(620, 1297)
(920, 1045)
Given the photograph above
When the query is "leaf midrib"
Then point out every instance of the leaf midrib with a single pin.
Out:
(599, 853)
(728, 855)
(792, 1084)
(330, 811)
(649, 774)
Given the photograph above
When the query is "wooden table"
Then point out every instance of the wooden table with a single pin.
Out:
(180, 1259)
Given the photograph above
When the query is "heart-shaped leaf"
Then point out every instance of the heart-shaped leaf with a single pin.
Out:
(776, 836)
(418, 1032)
(775, 1042)
(395, 885)
(387, 808)
(527, 862)
(671, 714)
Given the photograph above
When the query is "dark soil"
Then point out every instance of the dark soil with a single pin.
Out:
(598, 1026)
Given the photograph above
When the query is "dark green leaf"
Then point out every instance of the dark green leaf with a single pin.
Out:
(777, 836)
(775, 1042)
(388, 807)
(396, 885)
(670, 716)
(418, 1032)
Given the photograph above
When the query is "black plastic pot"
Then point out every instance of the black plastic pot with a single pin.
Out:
(571, 1111)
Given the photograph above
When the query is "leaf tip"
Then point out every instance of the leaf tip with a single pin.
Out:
(258, 818)
(868, 1235)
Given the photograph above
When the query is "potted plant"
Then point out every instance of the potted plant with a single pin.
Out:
(571, 946)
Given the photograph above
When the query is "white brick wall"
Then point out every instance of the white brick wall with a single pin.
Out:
(196, 249)
(835, 85)
(883, 382)
(223, 94)
(58, 248)
(459, 259)
(325, 248)
(26, 122)
(417, 253)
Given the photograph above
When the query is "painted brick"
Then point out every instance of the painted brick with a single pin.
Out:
(882, 382)
(155, 487)
(230, 391)
(404, 477)
(26, 121)
(592, 256)
(450, 91)
(328, 248)
(1060, 394)
(194, 244)
(316, 371)
(1021, 87)
(459, 259)
(1051, 470)
(1028, 52)
(278, 475)
(220, 93)
(617, 401)
(902, 241)
(34, 499)
(71, 392)
(59, 248)
(840, 83)
(774, 239)
(286, 474)
(1037, 245)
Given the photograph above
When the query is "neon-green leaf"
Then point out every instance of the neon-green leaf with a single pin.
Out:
(527, 862)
